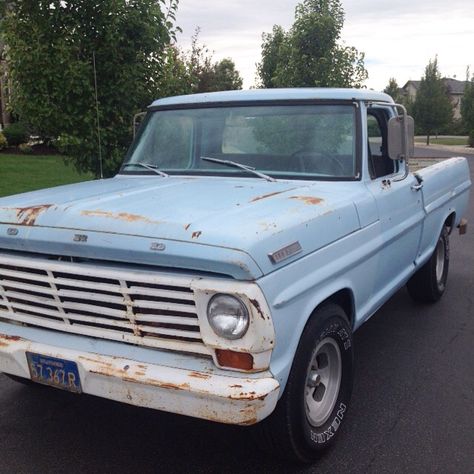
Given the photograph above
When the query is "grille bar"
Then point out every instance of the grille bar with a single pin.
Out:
(111, 302)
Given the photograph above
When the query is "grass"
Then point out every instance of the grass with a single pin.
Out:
(19, 173)
(444, 140)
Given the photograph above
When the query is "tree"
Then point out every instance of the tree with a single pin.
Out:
(467, 108)
(311, 53)
(393, 90)
(51, 44)
(195, 71)
(207, 75)
(432, 108)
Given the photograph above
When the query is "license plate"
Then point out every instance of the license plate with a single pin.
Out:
(55, 372)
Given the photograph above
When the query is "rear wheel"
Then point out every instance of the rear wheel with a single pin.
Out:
(314, 404)
(428, 284)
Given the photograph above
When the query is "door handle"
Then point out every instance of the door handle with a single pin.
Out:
(417, 187)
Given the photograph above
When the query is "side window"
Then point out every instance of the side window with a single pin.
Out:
(375, 136)
(379, 162)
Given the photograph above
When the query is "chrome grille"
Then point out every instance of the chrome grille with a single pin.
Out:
(137, 307)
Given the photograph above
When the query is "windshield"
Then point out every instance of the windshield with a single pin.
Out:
(296, 141)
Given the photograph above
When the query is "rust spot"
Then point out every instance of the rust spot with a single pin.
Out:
(265, 196)
(187, 226)
(236, 386)
(196, 234)
(249, 397)
(28, 215)
(122, 216)
(256, 305)
(10, 338)
(251, 421)
(314, 201)
(199, 375)
(96, 361)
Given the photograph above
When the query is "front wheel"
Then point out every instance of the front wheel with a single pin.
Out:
(427, 285)
(314, 404)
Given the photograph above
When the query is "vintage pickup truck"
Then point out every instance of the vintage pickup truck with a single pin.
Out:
(222, 272)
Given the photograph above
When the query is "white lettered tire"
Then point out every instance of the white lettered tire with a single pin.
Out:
(313, 407)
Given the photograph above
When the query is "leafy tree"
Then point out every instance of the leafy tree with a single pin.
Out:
(194, 71)
(432, 108)
(226, 77)
(272, 54)
(205, 74)
(311, 53)
(393, 90)
(467, 108)
(51, 44)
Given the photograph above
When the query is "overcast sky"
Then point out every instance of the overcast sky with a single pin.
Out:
(397, 36)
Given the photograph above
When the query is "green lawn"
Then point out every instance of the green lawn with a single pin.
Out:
(444, 140)
(20, 173)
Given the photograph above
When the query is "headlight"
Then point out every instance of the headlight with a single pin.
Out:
(228, 316)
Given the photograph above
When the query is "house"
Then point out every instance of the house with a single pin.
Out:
(454, 88)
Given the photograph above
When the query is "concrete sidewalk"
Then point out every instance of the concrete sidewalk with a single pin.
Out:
(457, 150)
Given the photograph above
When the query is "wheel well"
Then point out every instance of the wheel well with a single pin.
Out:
(345, 299)
(449, 222)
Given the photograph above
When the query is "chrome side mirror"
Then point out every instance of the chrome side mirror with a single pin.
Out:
(401, 136)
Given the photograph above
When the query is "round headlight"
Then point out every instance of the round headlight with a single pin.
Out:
(228, 316)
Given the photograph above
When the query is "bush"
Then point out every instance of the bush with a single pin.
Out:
(16, 134)
(25, 149)
(471, 138)
(3, 141)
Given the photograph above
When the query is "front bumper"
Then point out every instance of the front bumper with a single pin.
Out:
(233, 399)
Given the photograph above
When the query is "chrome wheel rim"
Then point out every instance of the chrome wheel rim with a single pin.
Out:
(440, 258)
(322, 382)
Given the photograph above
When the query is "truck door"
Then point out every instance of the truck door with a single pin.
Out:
(399, 206)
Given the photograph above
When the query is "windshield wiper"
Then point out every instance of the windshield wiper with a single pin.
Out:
(234, 164)
(148, 166)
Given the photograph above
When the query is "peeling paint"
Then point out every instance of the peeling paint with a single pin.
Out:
(256, 305)
(187, 226)
(28, 215)
(314, 201)
(6, 340)
(265, 196)
(122, 216)
(196, 234)
(199, 375)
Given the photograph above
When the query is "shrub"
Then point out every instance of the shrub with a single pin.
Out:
(16, 134)
(25, 149)
(471, 138)
(3, 141)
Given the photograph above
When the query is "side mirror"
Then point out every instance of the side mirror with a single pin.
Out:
(401, 137)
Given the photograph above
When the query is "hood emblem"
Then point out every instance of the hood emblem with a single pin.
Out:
(80, 238)
(157, 247)
(285, 252)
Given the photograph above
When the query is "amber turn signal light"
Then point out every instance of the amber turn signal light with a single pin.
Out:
(234, 360)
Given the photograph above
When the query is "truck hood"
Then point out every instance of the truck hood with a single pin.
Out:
(184, 220)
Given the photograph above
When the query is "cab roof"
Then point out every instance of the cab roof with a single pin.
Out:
(274, 95)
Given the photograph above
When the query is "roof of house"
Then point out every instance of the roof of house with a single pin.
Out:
(454, 86)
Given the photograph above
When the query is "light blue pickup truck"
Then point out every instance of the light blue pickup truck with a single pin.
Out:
(221, 274)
